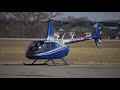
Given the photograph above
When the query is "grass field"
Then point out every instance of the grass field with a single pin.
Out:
(13, 51)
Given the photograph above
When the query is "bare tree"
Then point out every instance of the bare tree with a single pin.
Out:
(24, 24)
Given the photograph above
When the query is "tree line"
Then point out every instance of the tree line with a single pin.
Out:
(30, 25)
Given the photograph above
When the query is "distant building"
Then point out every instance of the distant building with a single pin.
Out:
(88, 34)
(56, 35)
(61, 30)
(117, 38)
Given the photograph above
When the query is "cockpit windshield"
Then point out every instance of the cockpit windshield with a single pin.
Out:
(41, 47)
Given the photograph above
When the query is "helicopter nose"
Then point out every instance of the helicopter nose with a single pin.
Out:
(27, 54)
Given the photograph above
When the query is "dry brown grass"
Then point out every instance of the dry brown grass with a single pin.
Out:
(13, 51)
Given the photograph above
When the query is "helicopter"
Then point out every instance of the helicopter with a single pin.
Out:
(52, 48)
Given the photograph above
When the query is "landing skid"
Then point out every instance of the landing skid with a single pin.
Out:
(34, 64)
(45, 62)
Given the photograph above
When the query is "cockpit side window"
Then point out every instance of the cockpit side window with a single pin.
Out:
(34, 46)
(41, 47)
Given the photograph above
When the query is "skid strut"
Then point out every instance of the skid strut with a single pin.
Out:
(64, 60)
(46, 61)
(52, 61)
(34, 61)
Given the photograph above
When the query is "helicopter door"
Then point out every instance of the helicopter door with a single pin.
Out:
(41, 47)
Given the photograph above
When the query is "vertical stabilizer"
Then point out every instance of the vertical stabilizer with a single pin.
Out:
(97, 35)
(49, 30)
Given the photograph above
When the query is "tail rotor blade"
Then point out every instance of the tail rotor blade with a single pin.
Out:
(100, 37)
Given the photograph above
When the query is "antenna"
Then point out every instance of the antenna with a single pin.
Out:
(72, 35)
(63, 36)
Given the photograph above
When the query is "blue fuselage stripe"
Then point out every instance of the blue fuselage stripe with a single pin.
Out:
(54, 54)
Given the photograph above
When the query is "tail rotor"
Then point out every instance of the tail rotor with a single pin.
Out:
(97, 36)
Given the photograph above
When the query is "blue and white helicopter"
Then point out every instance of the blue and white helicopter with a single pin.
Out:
(53, 48)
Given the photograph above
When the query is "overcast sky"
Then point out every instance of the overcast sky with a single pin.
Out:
(97, 16)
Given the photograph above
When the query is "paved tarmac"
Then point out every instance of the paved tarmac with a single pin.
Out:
(59, 71)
